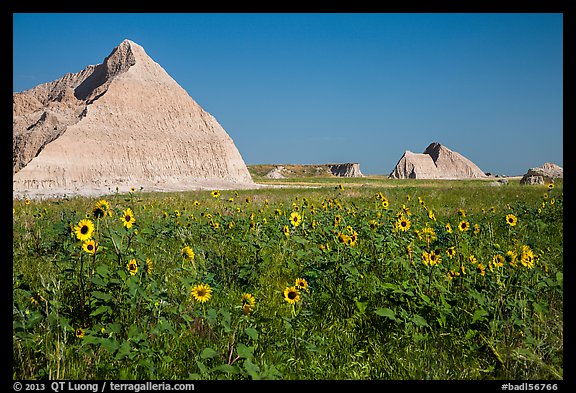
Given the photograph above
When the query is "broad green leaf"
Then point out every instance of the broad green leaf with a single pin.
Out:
(419, 320)
(386, 312)
(244, 351)
(251, 332)
(479, 315)
(227, 368)
(252, 369)
(208, 353)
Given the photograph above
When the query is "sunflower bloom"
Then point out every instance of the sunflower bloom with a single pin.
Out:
(90, 246)
(132, 266)
(101, 209)
(402, 224)
(79, 333)
(215, 194)
(510, 257)
(435, 258)
(128, 218)
(452, 273)
(448, 227)
(301, 283)
(295, 219)
(248, 298)
(248, 303)
(511, 219)
(286, 231)
(202, 293)
(451, 252)
(84, 229)
(426, 258)
(464, 226)
(149, 266)
(291, 295)
(187, 253)
(498, 260)
(527, 257)
(481, 269)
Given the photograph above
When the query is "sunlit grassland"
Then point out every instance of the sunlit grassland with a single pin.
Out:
(390, 292)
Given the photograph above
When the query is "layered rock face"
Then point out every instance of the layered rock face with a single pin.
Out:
(545, 174)
(124, 123)
(437, 162)
(346, 170)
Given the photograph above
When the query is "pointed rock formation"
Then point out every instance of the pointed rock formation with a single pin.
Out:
(123, 123)
(437, 162)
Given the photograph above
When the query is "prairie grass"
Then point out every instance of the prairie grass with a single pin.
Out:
(368, 283)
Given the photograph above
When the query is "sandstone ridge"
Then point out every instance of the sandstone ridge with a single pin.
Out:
(120, 124)
(437, 162)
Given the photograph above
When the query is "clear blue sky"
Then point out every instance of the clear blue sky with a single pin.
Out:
(337, 87)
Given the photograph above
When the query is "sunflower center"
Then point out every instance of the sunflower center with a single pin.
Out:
(90, 247)
(291, 295)
(84, 230)
(127, 217)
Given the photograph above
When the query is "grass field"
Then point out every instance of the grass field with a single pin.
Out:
(315, 278)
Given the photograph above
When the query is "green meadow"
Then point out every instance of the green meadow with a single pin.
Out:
(307, 278)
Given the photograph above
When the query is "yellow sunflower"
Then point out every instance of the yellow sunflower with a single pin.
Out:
(291, 295)
(511, 219)
(149, 266)
(128, 218)
(202, 293)
(464, 226)
(295, 219)
(402, 224)
(301, 283)
(286, 231)
(132, 266)
(448, 227)
(215, 194)
(84, 229)
(79, 333)
(101, 209)
(187, 253)
(90, 246)
(498, 260)
(527, 257)
(248, 303)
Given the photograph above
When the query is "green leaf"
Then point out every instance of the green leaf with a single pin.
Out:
(102, 296)
(470, 334)
(109, 344)
(361, 303)
(419, 320)
(386, 312)
(299, 240)
(100, 310)
(208, 353)
(227, 368)
(252, 333)
(123, 351)
(479, 315)
(252, 369)
(245, 351)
